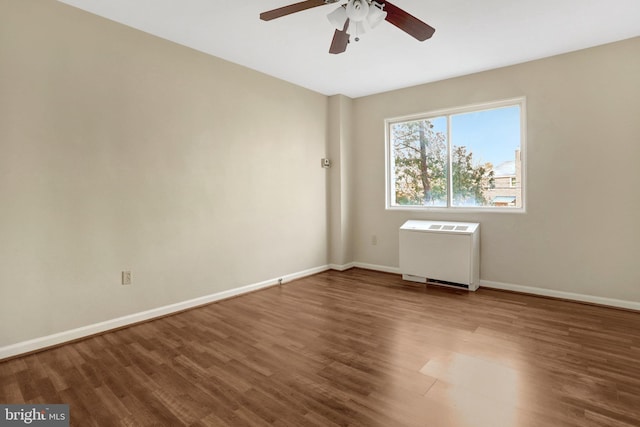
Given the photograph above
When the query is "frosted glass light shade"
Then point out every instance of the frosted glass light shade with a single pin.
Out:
(338, 17)
(376, 15)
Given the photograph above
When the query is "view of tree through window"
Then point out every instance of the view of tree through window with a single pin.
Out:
(470, 158)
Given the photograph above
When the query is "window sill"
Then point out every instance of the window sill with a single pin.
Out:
(452, 210)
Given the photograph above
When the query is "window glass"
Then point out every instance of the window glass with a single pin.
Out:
(465, 158)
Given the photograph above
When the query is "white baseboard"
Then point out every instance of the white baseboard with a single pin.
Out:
(96, 328)
(383, 268)
(342, 267)
(610, 302)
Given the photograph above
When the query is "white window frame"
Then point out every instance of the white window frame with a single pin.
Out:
(389, 173)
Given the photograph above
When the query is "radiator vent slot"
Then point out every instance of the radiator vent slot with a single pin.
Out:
(447, 283)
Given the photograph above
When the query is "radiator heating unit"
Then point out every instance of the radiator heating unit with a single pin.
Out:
(441, 252)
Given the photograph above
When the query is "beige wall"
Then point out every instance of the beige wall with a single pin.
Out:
(122, 151)
(583, 113)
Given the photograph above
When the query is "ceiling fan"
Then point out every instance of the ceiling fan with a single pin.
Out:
(356, 17)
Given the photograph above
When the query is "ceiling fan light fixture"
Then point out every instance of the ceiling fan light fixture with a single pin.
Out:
(338, 17)
(357, 10)
(363, 15)
(355, 17)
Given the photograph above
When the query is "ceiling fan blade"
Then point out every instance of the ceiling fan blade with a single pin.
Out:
(407, 22)
(293, 8)
(340, 40)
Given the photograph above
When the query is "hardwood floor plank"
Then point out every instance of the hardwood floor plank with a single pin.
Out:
(353, 348)
(11, 392)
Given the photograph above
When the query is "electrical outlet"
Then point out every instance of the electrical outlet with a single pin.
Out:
(374, 240)
(126, 277)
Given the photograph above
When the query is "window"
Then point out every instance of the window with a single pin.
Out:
(463, 158)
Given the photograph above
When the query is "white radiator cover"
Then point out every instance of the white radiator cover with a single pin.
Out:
(441, 251)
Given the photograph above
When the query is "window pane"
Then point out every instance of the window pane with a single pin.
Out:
(466, 157)
(486, 166)
(419, 162)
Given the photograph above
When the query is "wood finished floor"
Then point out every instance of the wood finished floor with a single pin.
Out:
(350, 348)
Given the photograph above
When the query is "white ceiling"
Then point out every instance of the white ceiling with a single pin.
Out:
(471, 36)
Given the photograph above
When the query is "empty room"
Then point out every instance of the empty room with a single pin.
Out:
(322, 213)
